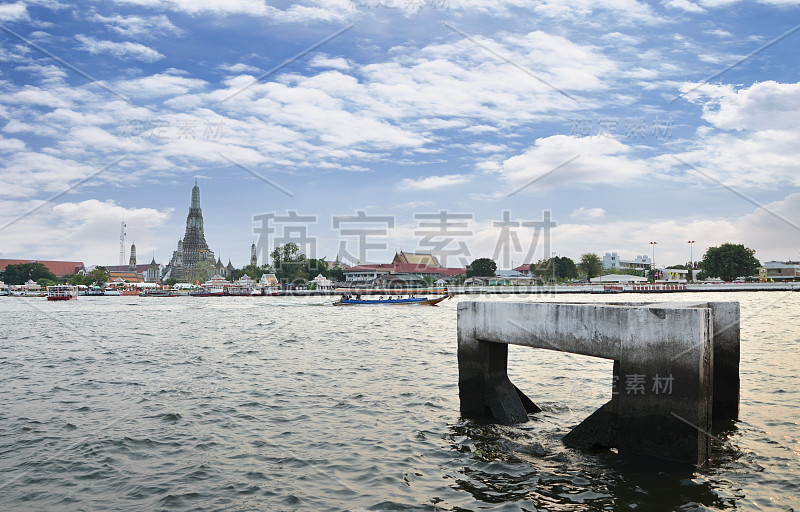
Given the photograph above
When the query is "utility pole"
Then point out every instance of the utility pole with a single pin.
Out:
(653, 261)
(691, 260)
(122, 243)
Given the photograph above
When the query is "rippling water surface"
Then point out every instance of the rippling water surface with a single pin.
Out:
(270, 403)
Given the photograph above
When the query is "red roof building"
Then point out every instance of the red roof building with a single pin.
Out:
(140, 269)
(523, 269)
(59, 268)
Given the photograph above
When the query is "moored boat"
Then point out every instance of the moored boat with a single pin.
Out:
(208, 292)
(62, 292)
(409, 301)
(159, 293)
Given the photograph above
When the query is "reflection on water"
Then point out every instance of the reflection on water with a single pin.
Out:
(261, 404)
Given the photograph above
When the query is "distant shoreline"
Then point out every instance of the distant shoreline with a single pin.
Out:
(561, 289)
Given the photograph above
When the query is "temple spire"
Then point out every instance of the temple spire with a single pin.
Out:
(195, 195)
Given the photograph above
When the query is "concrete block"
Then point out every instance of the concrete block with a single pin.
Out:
(664, 368)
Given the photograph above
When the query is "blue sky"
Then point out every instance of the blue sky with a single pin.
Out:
(630, 121)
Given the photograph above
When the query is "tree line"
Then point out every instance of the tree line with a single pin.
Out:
(727, 262)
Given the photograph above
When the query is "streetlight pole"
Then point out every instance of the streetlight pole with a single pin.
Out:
(653, 261)
(691, 260)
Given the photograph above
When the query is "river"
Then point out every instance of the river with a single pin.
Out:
(270, 403)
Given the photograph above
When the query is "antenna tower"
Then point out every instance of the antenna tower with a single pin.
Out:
(122, 243)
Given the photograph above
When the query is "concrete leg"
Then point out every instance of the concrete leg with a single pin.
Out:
(672, 421)
(726, 360)
(483, 384)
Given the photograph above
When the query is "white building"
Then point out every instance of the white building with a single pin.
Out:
(269, 281)
(323, 283)
(619, 278)
(612, 260)
(671, 275)
(781, 270)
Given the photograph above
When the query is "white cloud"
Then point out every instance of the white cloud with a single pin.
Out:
(578, 161)
(762, 106)
(753, 135)
(240, 68)
(322, 61)
(771, 237)
(124, 50)
(81, 231)
(685, 5)
(13, 12)
(434, 182)
(11, 145)
(137, 26)
(252, 7)
(719, 33)
(593, 213)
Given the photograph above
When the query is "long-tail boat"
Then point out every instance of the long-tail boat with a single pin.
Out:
(419, 301)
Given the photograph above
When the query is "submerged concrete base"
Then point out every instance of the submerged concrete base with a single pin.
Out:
(665, 374)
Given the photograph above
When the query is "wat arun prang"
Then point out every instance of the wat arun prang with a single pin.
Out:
(193, 260)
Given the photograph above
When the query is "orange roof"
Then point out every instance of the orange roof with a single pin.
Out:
(131, 277)
(59, 268)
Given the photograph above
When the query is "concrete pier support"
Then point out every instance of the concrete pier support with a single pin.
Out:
(665, 373)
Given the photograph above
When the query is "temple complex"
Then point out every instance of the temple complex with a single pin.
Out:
(192, 260)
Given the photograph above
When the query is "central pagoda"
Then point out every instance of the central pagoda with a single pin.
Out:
(193, 260)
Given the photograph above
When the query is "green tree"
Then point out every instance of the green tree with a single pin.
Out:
(20, 273)
(336, 274)
(76, 279)
(591, 265)
(729, 261)
(254, 271)
(542, 270)
(98, 276)
(482, 267)
(203, 271)
(172, 281)
(316, 266)
(629, 272)
(565, 268)
(44, 282)
(291, 266)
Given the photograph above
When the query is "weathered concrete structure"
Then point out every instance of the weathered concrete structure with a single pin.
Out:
(676, 367)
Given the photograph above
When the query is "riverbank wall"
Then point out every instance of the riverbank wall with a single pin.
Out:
(561, 289)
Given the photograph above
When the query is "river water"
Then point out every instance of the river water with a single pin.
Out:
(271, 403)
